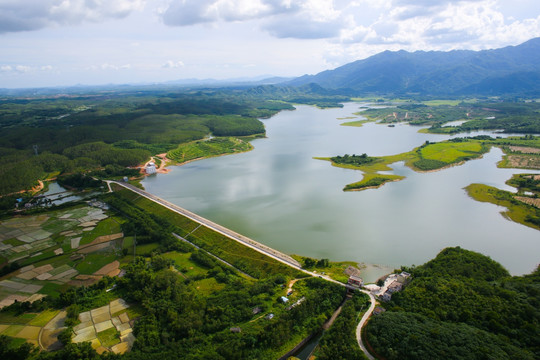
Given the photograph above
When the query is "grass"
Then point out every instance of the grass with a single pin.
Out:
(44, 256)
(356, 123)
(371, 181)
(44, 317)
(105, 227)
(134, 311)
(208, 148)
(208, 286)
(250, 261)
(94, 262)
(517, 211)
(146, 249)
(55, 225)
(9, 317)
(184, 264)
(13, 330)
(450, 152)
(13, 242)
(140, 249)
(109, 337)
(52, 289)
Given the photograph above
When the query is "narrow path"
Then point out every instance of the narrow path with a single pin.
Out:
(362, 323)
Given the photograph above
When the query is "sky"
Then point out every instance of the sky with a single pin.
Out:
(97, 42)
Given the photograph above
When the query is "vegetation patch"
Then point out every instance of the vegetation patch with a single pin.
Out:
(93, 262)
(356, 123)
(44, 317)
(460, 305)
(107, 226)
(208, 148)
(109, 337)
(372, 181)
(517, 211)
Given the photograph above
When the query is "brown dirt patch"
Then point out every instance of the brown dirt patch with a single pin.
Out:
(106, 238)
(109, 268)
(49, 339)
(524, 161)
(529, 201)
(85, 280)
(93, 248)
(57, 322)
(524, 149)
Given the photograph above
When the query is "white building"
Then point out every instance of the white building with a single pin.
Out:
(150, 168)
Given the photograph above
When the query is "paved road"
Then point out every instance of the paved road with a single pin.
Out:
(361, 325)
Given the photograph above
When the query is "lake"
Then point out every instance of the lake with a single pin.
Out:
(279, 195)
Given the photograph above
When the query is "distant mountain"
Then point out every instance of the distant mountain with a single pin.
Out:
(509, 70)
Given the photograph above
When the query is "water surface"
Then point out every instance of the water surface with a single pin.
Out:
(279, 195)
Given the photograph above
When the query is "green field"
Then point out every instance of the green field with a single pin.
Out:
(95, 261)
(107, 226)
(208, 148)
(449, 152)
(109, 337)
(185, 265)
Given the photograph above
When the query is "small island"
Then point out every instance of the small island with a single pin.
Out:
(428, 157)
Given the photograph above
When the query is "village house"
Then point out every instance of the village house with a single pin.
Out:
(355, 281)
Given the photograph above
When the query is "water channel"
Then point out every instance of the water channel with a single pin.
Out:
(279, 195)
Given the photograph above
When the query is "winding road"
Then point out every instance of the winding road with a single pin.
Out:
(362, 323)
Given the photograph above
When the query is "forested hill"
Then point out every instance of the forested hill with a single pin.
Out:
(509, 70)
(461, 305)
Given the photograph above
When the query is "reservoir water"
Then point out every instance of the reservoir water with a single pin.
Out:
(279, 195)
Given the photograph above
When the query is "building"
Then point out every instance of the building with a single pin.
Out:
(355, 281)
(150, 168)
(394, 287)
(378, 310)
(387, 296)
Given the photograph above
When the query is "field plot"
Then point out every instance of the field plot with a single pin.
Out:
(56, 248)
(108, 328)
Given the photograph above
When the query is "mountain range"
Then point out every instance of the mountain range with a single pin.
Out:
(508, 70)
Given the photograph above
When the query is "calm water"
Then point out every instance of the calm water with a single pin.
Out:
(279, 195)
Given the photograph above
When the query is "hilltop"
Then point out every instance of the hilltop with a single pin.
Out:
(508, 70)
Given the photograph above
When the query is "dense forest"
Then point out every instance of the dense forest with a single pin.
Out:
(461, 305)
(44, 137)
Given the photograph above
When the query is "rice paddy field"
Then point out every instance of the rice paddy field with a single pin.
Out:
(56, 250)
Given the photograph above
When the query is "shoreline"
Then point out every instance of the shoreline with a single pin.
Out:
(170, 162)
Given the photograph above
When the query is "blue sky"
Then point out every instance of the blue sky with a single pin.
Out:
(92, 42)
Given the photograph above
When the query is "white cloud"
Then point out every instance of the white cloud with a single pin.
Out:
(173, 64)
(26, 15)
(303, 19)
(107, 66)
(22, 68)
